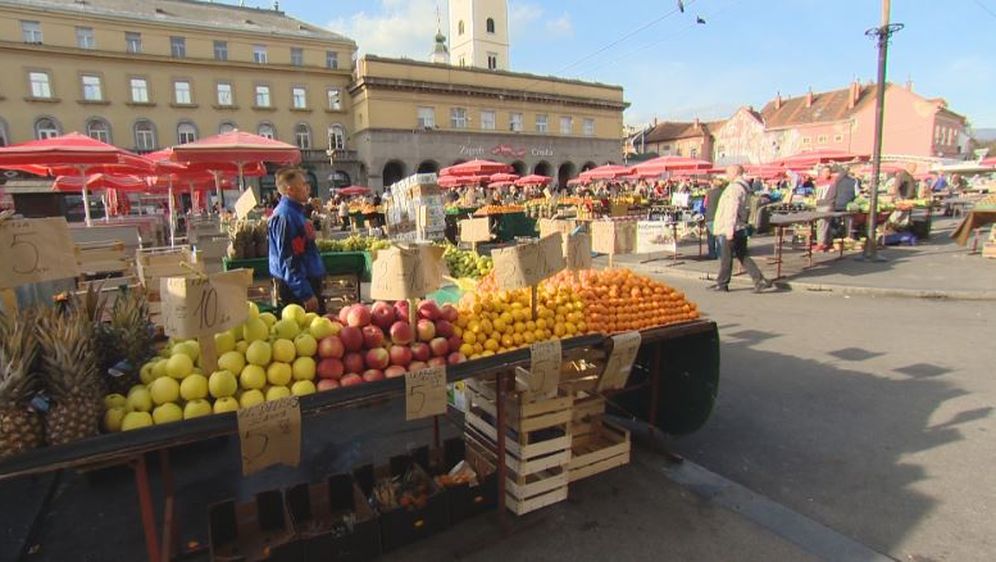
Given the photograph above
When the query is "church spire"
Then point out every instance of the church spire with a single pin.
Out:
(440, 54)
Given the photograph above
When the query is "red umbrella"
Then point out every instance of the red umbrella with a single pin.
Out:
(496, 184)
(671, 163)
(460, 181)
(476, 167)
(533, 179)
(575, 182)
(353, 190)
(503, 176)
(811, 158)
(991, 161)
(99, 182)
(606, 172)
(72, 154)
(238, 148)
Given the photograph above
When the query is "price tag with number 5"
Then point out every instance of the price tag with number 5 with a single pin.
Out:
(36, 250)
(425, 393)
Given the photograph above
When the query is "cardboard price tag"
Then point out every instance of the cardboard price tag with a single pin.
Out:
(577, 251)
(545, 359)
(425, 393)
(528, 264)
(475, 230)
(204, 306)
(620, 362)
(550, 226)
(245, 203)
(613, 237)
(406, 273)
(270, 433)
(36, 250)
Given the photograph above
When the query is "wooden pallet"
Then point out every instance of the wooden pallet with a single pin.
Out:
(605, 447)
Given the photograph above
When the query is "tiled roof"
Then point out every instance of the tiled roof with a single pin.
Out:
(674, 130)
(187, 13)
(827, 107)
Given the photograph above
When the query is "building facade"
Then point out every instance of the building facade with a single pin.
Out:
(420, 117)
(692, 139)
(156, 73)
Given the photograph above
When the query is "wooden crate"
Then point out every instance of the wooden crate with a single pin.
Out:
(154, 264)
(587, 412)
(989, 250)
(605, 447)
(103, 259)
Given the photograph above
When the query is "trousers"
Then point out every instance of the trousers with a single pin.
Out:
(735, 248)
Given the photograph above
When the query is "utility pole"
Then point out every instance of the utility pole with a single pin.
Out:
(882, 35)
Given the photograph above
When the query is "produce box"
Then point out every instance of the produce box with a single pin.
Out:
(257, 530)
(465, 499)
(604, 447)
(417, 508)
(333, 521)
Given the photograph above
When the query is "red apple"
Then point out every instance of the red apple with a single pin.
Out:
(327, 384)
(353, 363)
(456, 357)
(358, 316)
(344, 314)
(351, 379)
(331, 347)
(383, 314)
(378, 358)
(395, 371)
(444, 328)
(439, 347)
(400, 355)
(416, 366)
(455, 342)
(437, 362)
(352, 338)
(428, 309)
(401, 333)
(401, 311)
(373, 375)
(372, 337)
(330, 368)
(420, 351)
(449, 313)
(426, 330)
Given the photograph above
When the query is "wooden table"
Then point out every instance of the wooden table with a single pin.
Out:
(782, 221)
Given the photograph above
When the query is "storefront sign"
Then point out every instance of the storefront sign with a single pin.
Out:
(507, 150)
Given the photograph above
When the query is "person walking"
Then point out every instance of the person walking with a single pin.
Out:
(295, 264)
(711, 204)
(731, 229)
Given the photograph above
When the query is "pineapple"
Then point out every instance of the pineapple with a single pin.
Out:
(21, 428)
(68, 365)
(131, 335)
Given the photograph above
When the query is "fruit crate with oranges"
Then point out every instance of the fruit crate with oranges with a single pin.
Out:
(538, 445)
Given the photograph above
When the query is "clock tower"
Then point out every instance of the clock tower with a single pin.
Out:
(479, 33)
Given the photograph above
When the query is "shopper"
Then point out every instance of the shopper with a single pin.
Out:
(344, 213)
(731, 228)
(295, 263)
(711, 204)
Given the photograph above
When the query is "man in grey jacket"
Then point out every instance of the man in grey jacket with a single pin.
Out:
(841, 191)
(731, 228)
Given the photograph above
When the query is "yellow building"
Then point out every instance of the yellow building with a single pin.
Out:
(419, 117)
(150, 74)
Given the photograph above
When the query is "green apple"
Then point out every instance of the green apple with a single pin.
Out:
(277, 392)
(306, 345)
(321, 328)
(167, 413)
(278, 373)
(225, 404)
(114, 401)
(284, 350)
(159, 369)
(113, 418)
(223, 383)
(253, 309)
(165, 390)
(287, 329)
(251, 398)
(293, 312)
(194, 387)
(252, 377)
(136, 420)
(259, 353)
(140, 400)
(269, 318)
(254, 329)
(145, 374)
(232, 361)
(197, 408)
(307, 320)
(303, 369)
(179, 366)
(241, 346)
(190, 348)
(224, 342)
(302, 388)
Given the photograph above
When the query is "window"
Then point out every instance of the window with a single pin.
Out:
(426, 117)
(491, 25)
(31, 32)
(492, 61)
(91, 88)
(331, 60)
(302, 136)
(588, 127)
(299, 98)
(98, 129)
(463, 62)
(666, 148)
(458, 118)
(515, 122)
(185, 133)
(178, 47)
(139, 90)
(145, 135)
(85, 38)
(337, 137)
(181, 90)
(566, 125)
(460, 27)
(694, 153)
(806, 140)
(46, 128)
(541, 124)
(227, 127)
(266, 130)
(488, 120)
(259, 54)
(334, 99)
(225, 98)
(221, 50)
(838, 138)
(133, 42)
(822, 139)
(297, 56)
(41, 87)
(677, 151)
(262, 96)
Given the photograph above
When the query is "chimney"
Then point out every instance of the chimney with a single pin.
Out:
(909, 84)
(697, 124)
(853, 93)
(809, 98)
(778, 100)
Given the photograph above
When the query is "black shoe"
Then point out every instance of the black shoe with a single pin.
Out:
(762, 286)
(718, 288)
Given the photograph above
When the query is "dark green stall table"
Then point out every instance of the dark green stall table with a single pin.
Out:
(513, 225)
(355, 264)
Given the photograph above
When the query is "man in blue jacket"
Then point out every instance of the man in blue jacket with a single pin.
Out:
(295, 263)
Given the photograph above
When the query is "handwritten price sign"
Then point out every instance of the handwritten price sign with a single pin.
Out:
(270, 433)
(245, 204)
(203, 306)
(406, 273)
(544, 369)
(425, 393)
(36, 250)
(620, 362)
(528, 264)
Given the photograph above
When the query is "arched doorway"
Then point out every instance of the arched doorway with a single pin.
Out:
(542, 168)
(566, 172)
(520, 167)
(588, 166)
(340, 178)
(394, 171)
(428, 167)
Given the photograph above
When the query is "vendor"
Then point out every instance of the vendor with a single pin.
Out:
(295, 264)
(839, 192)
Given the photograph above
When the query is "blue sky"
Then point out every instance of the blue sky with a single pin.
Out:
(746, 52)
